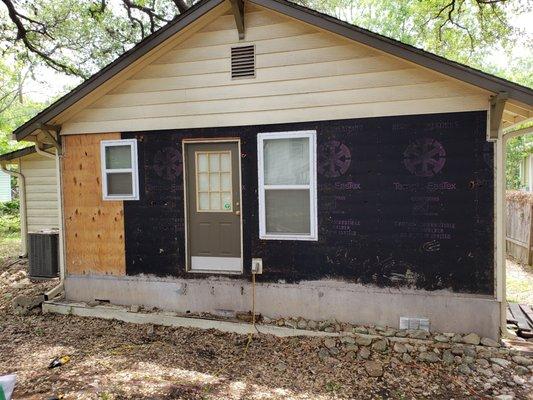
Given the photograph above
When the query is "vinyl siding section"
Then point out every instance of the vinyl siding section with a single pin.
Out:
(303, 74)
(41, 192)
(5, 187)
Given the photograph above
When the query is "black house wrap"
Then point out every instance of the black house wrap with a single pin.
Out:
(402, 201)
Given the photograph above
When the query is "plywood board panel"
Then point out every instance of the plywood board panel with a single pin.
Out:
(94, 228)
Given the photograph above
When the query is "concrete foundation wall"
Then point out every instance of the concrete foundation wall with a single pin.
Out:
(316, 300)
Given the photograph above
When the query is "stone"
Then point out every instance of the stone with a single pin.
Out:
(302, 324)
(457, 350)
(360, 329)
(422, 349)
(410, 348)
(457, 338)
(496, 368)
(380, 345)
(484, 353)
(501, 362)
(468, 359)
(469, 351)
(291, 324)
(363, 353)
(419, 334)
(471, 338)
(399, 348)
(401, 333)
(363, 340)
(406, 358)
(312, 325)
(329, 329)
(482, 363)
(389, 332)
(27, 302)
(442, 338)
(428, 356)
(489, 342)
(520, 370)
(329, 343)
(524, 361)
(134, 308)
(504, 397)
(518, 380)
(464, 369)
(150, 330)
(280, 322)
(347, 340)
(323, 354)
(447, 357)
(334, 351)
(374, 368)
(93, 303)
(351, 347)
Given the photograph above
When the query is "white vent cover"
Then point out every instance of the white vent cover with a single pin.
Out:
(243, 62)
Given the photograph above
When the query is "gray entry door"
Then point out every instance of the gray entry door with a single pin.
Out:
(213, 207)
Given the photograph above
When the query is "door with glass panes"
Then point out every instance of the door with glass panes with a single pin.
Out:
(213, 206)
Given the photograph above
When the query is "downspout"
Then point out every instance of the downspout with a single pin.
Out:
(43, 153)
(55, 291)
(22, 205)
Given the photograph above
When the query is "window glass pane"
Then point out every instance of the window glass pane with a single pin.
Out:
(203, 202)
(214, 181)
(118, 157)
(202, 162)
(225, 162)
(203, 183)
(226, 181)
(119, 184)
(286, 161)
(287, 211)
(214, 162)
(214, 201)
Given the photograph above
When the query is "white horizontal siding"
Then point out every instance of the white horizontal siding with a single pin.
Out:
(5, 187)
(41, 192)
(303, 74)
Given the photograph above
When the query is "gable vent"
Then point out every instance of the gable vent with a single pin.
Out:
(243, 62)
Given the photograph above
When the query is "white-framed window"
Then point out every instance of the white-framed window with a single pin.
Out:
(120, 178)
(287, 185)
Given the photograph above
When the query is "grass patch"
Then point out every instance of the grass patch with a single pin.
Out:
(519, 283)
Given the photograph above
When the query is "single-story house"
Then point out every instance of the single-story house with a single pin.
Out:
(362, 177)
(37, 173)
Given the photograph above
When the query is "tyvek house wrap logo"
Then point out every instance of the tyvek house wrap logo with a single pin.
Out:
(334, 159)
(424, 157)
(168, 163)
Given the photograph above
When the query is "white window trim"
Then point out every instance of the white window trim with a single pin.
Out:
(311, 135)
(134, 169)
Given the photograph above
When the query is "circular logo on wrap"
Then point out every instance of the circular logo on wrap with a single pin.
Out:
(334, 159)
(168, 163)
(424, 157)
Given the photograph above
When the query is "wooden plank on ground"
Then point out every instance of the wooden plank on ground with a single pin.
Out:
(521, 320)
(528, 313)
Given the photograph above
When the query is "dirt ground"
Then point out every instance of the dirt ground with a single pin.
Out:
(116, 360)
(519, 283)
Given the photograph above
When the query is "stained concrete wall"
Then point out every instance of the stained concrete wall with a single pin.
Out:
(317, 300)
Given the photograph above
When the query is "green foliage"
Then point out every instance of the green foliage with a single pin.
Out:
(9, 219)
(517, 148)
(467, 31)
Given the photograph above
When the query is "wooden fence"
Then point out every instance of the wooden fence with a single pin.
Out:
(519, 236)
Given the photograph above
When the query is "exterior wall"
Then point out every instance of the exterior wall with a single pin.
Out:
(303, 74)
(94, 228)
(5, 187)
(42, 207)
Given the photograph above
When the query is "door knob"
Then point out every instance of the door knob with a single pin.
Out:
(237, 212)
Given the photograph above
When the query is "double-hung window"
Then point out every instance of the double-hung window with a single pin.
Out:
(120, 179)
(287, 185)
